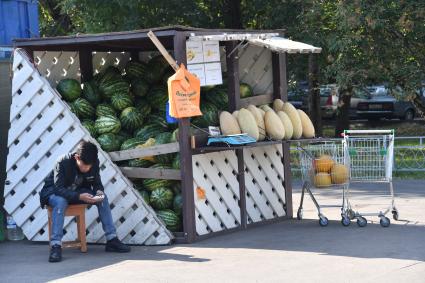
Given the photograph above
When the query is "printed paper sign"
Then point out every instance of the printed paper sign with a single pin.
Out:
(194, 52)
(199, 71)
(211, 51)
(213, 74)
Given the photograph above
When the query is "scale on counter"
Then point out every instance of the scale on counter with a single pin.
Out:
(230, 140)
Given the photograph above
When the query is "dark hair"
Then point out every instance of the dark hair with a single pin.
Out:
(87, 152)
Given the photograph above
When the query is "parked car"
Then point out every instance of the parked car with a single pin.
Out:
(380, 103)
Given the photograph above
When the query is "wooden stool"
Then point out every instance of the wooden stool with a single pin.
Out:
(79, 211)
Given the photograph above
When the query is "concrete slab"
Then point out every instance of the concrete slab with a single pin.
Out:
(291, 251)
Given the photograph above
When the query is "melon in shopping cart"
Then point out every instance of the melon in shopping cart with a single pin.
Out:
(339, 174)
(322, 180)
(324, 163)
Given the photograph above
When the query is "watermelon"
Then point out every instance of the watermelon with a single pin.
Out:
(176, 162)
(153, 184)
(162, 198)
(148, 131)
(135, 70)
(156, 67)
(107, 124)
(91, 93)
(143, 107)
(69, 89)
(170, 219)
(158, 97)
(139, 88)
(146, 196)
(178, 204)
(89, 125)
(163, 138)
(110, 73)
(245, 90)
(131, 118)
(84, 108)
(105, 110)
(123, 136)
(218, 97)
(209, 116)
(139, 163)
(74, 109)
(108, 142)
(177, 188)
(115, 86)
(158, 120)
(120, 101)
(132, 143)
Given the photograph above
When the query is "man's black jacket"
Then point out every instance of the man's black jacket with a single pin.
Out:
(67, 181)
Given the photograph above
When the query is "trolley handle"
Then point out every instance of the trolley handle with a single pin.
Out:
(368, 132)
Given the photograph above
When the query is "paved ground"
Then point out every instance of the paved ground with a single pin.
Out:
(292, 251)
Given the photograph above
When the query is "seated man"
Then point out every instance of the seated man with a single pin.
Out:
(76, 180)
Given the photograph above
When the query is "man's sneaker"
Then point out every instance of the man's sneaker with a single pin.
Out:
(55, 253)
(115, 245)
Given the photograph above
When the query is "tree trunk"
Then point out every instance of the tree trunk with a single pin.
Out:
(342, 117)
(232, 14)
(314, 94)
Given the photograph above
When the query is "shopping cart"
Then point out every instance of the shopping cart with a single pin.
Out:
(319, 161)
(369, 154)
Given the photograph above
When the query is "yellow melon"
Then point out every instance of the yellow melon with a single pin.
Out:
(307, 125)
(287, 124)
(228, 124)
(259, 120)
(324, 163)
(265, 108)
(322, 180)
(278, 105)
(292, 113)
(235, 114)
(339, 174)
(274, 126)
(247, 123)
(263, 113)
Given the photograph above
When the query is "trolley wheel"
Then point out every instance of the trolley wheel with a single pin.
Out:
(385, 221)
(361, 221)
(345, 221)
(395, 214)
(351, 214)
(300, 214)
(323, 221)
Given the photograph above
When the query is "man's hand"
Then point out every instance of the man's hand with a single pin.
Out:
(87, 198)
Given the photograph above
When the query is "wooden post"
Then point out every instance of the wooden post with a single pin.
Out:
(186, 170)
(314, 94)
(280, 90)
(86, 64)
(232, 62)
(242, 189)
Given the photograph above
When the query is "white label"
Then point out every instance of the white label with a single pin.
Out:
(213, 74)
(211, 51)
(194, 52)
(199, 71)
(214, 131)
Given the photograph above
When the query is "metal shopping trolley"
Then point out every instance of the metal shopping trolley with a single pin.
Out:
(369, 154)
(323, 166)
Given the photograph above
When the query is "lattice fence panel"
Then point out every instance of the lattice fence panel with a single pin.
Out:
(255, 68)
(101, 60)
(55, 66)
(264, 175)
(216, 174)
(42, 128)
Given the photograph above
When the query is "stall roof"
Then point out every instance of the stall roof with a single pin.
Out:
(280, 44)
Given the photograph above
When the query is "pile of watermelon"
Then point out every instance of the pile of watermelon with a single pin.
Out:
(126, 109)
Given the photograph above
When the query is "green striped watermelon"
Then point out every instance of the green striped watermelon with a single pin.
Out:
(108, 142)
(209, 116)
(146, 196)
(115, 86)
(91, 93)
(158, 97)
(135, 69)
(177, 188)
(139, 88)
(148, 131)
(120, 101)
(158, 120)
(139, 163)
(84, 109)
(104, 109)
(89, 125)
(178, 204)
(153, 184)
(110, 73)
(123, 136)
(176, 162)
(245, 90)
(132, 143)
(156, 67)
(218, 97)
(69, 89)
(143, 107)
(162, 198)
(107, 124)
(164, 138)
(170, 219)
(131, 118)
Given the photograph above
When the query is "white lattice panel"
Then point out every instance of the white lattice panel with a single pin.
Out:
(42, 128)
(101, 60)
(216, 174)
(55, 66)
(265, 193)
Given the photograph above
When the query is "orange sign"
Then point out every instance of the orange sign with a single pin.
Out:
(184, 93)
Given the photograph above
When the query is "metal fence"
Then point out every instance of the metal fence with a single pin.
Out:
(409, 155)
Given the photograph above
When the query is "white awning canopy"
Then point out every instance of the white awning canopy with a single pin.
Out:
(231, 36)
(280, 44)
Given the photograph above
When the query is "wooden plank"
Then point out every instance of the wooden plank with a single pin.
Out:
(232, 76)
(152, 173)
(280, 82)
(143, 152)
(86, 64)
(242, 188)
(288, 178)
(257, 100)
